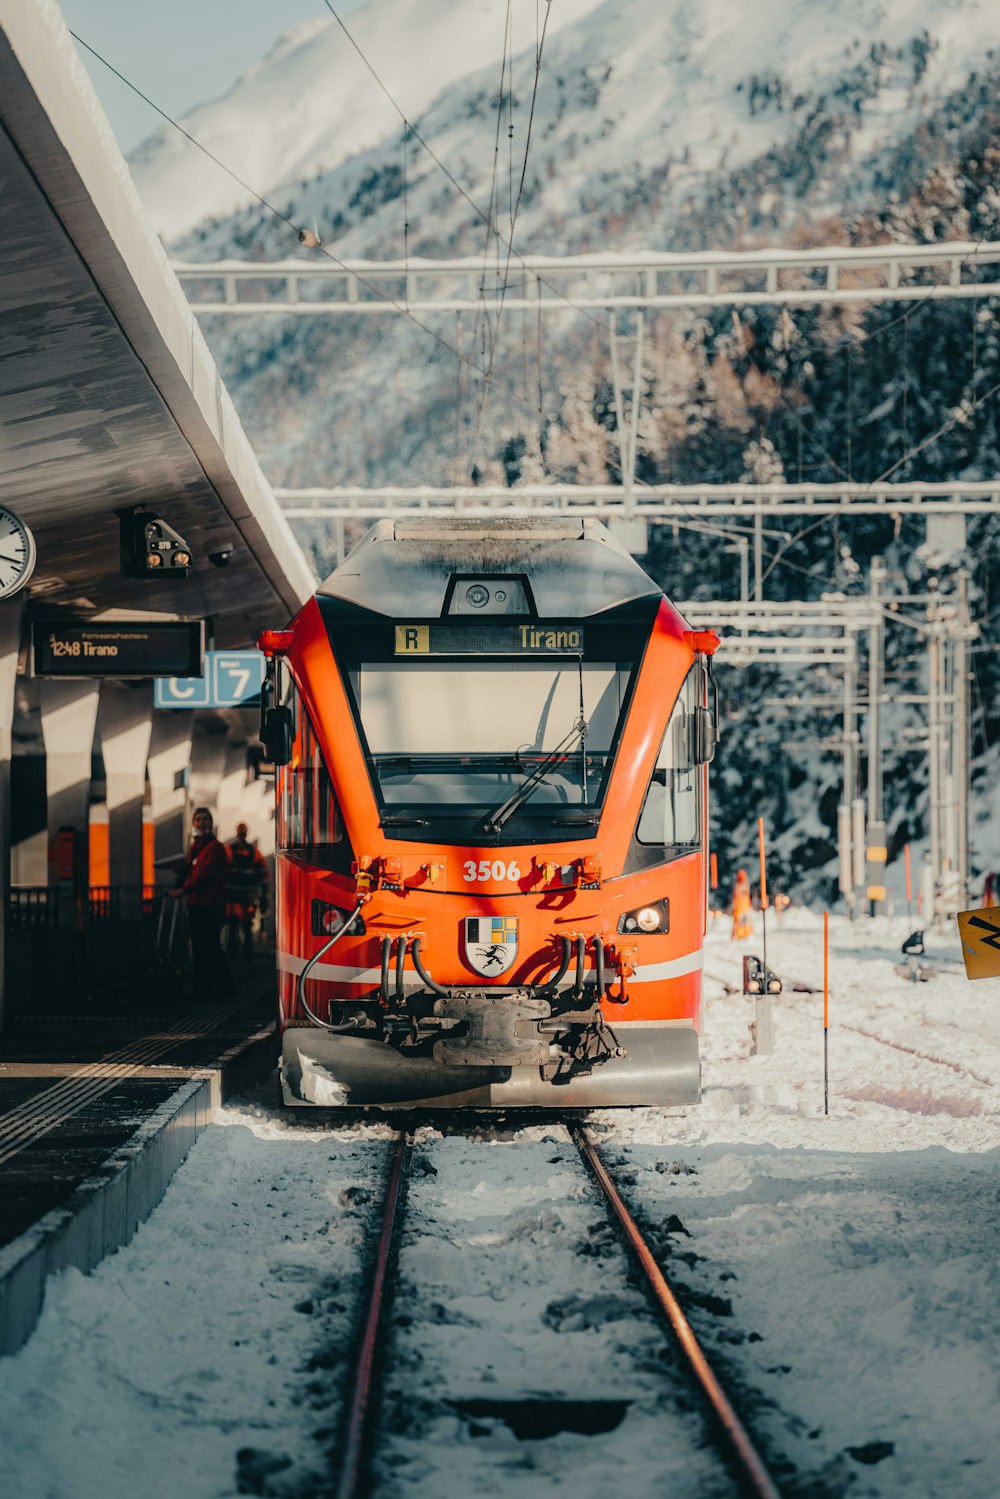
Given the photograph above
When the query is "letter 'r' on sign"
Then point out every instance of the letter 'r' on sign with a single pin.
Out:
(980, 933)
(413, 640)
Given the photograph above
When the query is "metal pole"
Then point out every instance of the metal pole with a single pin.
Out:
(875, 841)
(743, 542)
(876, 650)
(758, 556)
(850, 675)
(826, 1012)
(845, 864)
(633, 434)
(963, 735)
(934, 751)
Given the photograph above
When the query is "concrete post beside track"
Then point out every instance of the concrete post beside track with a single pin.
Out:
(126, 719)
(69, 717)
(11, 616)
(169, 757)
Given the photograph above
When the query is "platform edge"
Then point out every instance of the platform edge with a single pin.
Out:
(102, 1213)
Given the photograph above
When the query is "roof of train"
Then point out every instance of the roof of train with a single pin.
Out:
(575, 568)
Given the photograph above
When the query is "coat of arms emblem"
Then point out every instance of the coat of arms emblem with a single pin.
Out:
(490, 943)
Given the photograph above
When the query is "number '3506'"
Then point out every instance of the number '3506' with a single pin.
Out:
(484, 870)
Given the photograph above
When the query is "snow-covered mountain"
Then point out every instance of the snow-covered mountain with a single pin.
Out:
(652, 97)
(312, 101)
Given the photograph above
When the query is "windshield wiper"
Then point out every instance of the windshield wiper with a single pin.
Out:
(496, 820)
(403, 820)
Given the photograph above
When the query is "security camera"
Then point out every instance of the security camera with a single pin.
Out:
(222, 557)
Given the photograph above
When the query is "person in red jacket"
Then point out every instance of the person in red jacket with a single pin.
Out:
(246, 891)
(203, 886)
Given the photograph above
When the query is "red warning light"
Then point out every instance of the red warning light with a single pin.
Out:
(275, 642)
(702, 642)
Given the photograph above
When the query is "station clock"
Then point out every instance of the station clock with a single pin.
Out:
(17, 553)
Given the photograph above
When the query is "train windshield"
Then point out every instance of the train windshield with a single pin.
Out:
(475, 750)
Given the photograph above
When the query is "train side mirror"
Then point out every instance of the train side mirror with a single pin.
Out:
(276, 734)
(704, 736)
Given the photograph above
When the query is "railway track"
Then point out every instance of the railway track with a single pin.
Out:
(360, 1436)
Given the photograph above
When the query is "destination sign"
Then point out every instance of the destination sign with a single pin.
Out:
(489, 640)
(117, 648)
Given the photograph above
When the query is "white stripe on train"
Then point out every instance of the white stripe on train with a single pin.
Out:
(336, 973)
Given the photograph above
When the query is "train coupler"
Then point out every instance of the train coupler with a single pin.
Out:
(493, 1029)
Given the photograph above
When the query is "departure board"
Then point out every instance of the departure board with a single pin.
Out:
(74, 647)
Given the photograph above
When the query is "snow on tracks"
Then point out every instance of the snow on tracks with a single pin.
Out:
(191, 1362)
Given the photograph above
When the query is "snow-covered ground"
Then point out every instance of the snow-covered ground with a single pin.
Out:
(513, 1290)
(841, 1268)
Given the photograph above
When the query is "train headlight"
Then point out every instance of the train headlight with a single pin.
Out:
(478, 596)
(326, 919)
(651, 918)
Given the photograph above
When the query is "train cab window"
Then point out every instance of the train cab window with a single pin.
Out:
(308, 813)
(672, 812)
(482, 741)
(451, 733)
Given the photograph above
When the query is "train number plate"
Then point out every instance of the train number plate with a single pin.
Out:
(497, 869)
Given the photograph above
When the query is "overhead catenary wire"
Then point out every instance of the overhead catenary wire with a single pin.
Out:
(462, 359)
(909, 453)
(471, 363)
(957, 417)
(484, 398)
(491, 240)
(277, 212)
(456, 184)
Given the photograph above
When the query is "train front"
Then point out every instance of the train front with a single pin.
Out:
(492, 743)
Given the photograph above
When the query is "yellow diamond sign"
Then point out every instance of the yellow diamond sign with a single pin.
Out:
(980, 933)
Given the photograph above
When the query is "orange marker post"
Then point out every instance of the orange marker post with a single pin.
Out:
(713, 866)
(826, 1012)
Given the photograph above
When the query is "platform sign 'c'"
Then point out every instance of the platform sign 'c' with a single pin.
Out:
(980, 933)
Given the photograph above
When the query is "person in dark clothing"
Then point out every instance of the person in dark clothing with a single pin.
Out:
(203, 886)
(246, 890)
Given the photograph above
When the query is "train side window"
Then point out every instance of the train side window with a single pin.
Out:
(308, 811)
(672, 812)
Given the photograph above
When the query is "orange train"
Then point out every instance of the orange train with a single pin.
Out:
(492, 745)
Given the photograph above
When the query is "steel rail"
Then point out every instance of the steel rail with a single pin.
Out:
(356, 1429)
(756, 1477)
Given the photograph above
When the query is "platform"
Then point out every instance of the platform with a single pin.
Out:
(97, 1111)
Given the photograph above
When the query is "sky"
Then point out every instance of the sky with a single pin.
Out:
(179, 54)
